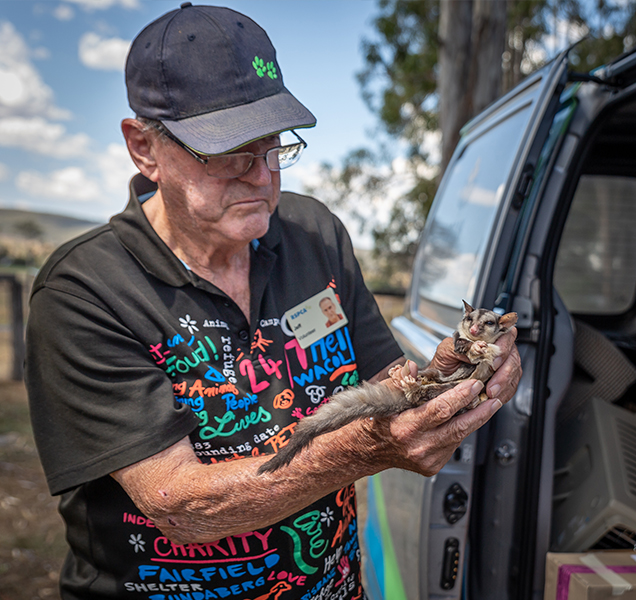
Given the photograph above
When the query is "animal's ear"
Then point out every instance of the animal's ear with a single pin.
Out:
(508, 320)
(467, 308)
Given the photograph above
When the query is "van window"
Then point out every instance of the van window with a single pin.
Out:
(459, 230)
(595, 271)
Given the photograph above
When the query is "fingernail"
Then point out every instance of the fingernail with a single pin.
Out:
(497, 363)
(494, 390)
(495, 406)
(477, 387)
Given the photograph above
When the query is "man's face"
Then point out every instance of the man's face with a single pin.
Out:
(237, 210)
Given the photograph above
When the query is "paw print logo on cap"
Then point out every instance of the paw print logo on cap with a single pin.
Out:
(263, 69)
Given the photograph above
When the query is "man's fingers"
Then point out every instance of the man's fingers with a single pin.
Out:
(446, 359)
(507, 343)
(412, 368)
(505, 380)
(465, 424)
(433, 447)
(445, 406)
(427, 436)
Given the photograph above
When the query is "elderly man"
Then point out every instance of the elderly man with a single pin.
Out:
(167, 356)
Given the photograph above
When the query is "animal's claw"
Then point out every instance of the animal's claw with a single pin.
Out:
(479, 347)
(401, 377)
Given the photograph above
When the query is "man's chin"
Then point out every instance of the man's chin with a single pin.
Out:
(253, 226)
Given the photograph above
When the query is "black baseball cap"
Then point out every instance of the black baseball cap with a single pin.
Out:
(210, 75)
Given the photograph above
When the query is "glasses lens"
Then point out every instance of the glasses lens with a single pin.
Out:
(229, 165)
(288, 155)
(234, 165)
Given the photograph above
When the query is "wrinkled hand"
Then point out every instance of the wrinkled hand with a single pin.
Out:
(504, 382)
(424, 439)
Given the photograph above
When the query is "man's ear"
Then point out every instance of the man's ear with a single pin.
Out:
(140, 145)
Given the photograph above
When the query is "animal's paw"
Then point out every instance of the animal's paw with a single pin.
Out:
(462, 345)
(401, 378)
(481, 351)
(478, 348)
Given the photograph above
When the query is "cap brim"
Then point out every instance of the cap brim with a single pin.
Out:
(224, 130)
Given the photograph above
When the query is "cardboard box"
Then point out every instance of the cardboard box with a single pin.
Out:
(591, 575)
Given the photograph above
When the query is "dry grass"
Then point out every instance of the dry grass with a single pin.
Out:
(32, 545)
(5, 350)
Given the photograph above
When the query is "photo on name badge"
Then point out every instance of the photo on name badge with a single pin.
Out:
(316, 317)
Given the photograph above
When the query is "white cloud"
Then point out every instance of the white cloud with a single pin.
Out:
(103, 183)
(38, 135)
(71, 183)
(92, 5)
(30, 121)
(41, 53)
(63, 12)
(107, 54)
(11, 88)
(22, 91)
(116, 168)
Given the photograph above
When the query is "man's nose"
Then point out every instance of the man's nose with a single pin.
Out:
(258, 173)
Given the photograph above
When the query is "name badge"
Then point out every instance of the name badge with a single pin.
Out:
(316, 317)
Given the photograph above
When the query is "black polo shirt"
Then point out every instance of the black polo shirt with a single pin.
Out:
(128, 351)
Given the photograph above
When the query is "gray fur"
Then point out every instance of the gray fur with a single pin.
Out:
(365, 401)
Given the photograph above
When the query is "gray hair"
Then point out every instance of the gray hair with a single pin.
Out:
(154, 125)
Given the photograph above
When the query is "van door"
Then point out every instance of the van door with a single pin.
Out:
(596, 138)
(416, 534)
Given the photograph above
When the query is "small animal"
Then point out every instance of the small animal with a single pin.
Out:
(476, 334)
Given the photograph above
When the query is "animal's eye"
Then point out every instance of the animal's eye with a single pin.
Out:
(490, 323)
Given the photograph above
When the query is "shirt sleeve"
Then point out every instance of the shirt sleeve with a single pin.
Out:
(98, 402)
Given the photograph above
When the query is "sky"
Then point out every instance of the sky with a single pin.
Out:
(62, 92)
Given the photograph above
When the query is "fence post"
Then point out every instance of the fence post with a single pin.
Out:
(17, 321)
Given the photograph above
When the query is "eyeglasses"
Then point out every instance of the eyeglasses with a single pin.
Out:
(235, 164)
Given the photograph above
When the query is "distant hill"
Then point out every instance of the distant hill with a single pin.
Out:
(44, 227)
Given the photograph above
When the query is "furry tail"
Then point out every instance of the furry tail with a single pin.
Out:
(366, 400)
